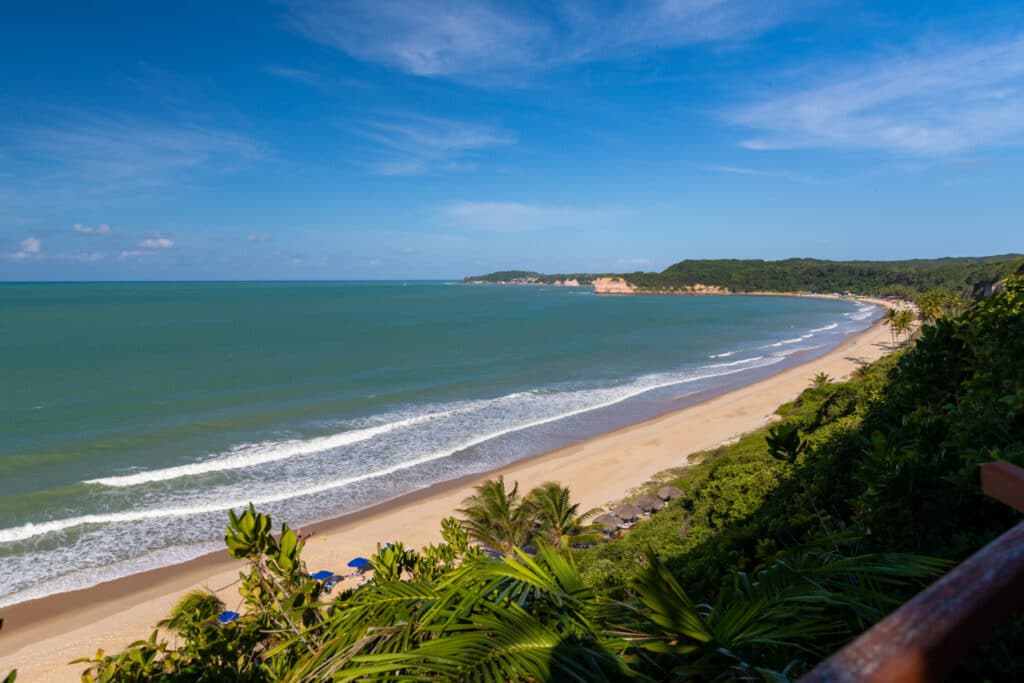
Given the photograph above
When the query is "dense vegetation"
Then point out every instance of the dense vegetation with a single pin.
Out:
(970, 277)
(785, 545)
(891, 464)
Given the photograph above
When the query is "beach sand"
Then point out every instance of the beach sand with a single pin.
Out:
(40, 637)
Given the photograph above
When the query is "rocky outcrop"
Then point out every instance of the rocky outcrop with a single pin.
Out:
(613, 285)
(568, 282)
(706, 289)
(618, 285)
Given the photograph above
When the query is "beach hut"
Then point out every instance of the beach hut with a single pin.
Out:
(608, 523)
(650, 503)
(628, 512)
(669, 493)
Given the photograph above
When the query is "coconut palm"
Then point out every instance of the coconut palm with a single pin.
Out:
(557, 518)
(890, 321)
(495, 517)
(904, 324)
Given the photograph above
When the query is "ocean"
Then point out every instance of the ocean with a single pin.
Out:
(133, 415)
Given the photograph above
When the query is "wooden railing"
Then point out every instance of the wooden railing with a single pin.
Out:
(925, 638)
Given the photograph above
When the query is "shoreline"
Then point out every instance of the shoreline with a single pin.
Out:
(599, 470)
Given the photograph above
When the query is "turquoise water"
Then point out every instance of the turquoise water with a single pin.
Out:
(133, 415)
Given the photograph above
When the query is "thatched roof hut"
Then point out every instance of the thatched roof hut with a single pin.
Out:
(628, 512)
(669, 493)
(650, 503)
(608, 522)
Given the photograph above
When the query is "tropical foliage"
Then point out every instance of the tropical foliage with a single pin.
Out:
(890, 462)
(519, 618)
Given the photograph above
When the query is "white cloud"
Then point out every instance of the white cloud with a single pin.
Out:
(101, 229)
(259, 238)
(517, 217)
(133, 253)
(936, 101)
(31, 248)
(413, 144)
(483, 38)
(156, 243)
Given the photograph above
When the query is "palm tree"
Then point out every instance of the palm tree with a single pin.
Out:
(557, 517)
(890, 320)
(495, 517)
(903, 323)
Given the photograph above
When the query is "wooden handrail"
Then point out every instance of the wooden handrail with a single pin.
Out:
(926, 637)
(1004, 482)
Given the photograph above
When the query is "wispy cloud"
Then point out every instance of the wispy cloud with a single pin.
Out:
(517, 217)
(101, 230)
(481, 38)
(258, 238)
(410, 145)
(82, 256)
(31, 248)
(156, 243)
(113, 153)
(762, 173)
(299, 75)
(939, 100)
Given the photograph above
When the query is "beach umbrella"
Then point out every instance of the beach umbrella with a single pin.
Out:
(228, 617)
(608, 522)
(669, 493)
(650, 503)
(322, 575)
(358, 563)
(628, 512)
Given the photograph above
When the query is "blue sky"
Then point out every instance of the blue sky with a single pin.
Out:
(307, 139)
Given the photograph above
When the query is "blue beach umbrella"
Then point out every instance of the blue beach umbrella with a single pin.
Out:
(322, 575)
(228, 617)
(358, 563)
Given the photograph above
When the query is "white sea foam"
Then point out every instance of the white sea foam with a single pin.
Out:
(249, 455)
(826, 328)
(30, 530)
(722, 355)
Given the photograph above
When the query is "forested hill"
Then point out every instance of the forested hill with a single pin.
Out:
(967, 276)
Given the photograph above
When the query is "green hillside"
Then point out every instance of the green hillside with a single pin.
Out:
(968, 276)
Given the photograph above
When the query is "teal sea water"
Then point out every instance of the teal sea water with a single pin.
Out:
(133, 416)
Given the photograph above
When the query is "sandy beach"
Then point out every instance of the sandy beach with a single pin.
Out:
(40, 636)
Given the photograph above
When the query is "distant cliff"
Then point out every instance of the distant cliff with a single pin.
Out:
(530, 277)
(619, 285)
